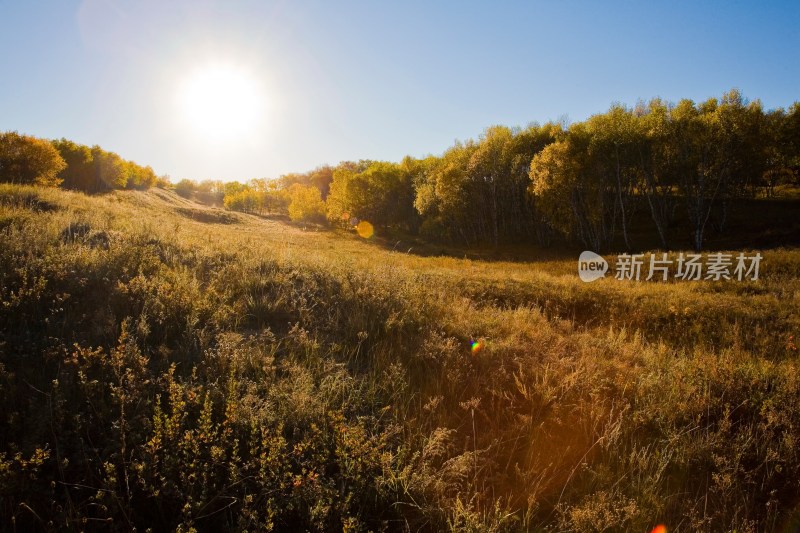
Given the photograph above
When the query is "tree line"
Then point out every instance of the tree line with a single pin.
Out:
(656, 167)
(25, 159)
(664, 159)
(657, 164)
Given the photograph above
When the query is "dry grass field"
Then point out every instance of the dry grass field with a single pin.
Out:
(170, 365)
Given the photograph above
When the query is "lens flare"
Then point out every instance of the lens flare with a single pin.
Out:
(365, 229)
(477, 346)
(661, 528)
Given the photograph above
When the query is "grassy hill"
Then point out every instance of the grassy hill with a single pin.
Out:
(171, 365)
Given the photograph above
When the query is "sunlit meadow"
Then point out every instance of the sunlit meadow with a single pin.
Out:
(176, 366)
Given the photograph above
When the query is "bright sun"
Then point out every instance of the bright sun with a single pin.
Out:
(221, 103)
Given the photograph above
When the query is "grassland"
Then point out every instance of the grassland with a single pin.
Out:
(174, 366)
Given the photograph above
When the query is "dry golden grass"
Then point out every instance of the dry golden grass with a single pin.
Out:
(166, 366)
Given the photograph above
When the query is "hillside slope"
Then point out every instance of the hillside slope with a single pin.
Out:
(169, 365)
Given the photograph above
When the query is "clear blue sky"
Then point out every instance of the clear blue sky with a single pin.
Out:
(378, 80)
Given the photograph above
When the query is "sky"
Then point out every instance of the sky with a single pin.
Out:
(320, 82)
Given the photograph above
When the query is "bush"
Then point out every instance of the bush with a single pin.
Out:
(29, 160)
(185, 188)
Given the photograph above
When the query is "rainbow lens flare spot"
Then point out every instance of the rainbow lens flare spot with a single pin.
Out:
(365, 229)
(477, 346)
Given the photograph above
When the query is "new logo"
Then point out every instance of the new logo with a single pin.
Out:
(591, 266)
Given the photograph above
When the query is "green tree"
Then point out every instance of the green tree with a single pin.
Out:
(790, 140)
(477, 191)
(717, 151)
(379, 192)
(443, 199)
(489, 174)
(576, 198)
(742, 150)
(79, 173)
(612, 149)
(656, 161)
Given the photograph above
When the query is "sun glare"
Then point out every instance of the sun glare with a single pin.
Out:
(221, 103)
